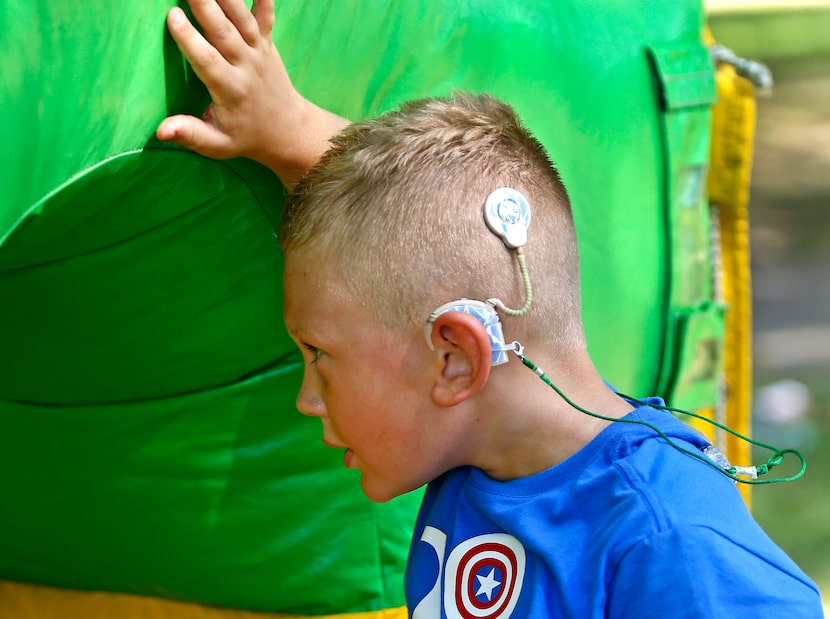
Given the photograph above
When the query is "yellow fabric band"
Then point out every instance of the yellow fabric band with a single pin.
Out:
(28, 601)
(733, 132)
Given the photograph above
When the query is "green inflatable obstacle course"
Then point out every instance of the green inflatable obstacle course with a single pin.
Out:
(150, 449)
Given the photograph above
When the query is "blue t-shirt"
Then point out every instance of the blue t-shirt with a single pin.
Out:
(627, 527)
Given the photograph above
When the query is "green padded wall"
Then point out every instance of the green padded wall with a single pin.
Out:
(148, 437)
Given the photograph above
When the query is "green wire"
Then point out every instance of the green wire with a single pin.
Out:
(732, 472)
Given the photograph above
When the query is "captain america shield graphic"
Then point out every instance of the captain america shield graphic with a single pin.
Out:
(483, 578)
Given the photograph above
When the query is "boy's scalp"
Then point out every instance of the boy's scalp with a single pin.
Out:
(428, 149)
(394, 210)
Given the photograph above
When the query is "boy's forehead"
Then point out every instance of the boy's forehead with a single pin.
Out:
(302, 265)
(309, 294)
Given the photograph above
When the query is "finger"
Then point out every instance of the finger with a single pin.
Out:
(172, 128)
(206, 61)
(195, 134)
(263, 12)
(243, 20)
(218, 28)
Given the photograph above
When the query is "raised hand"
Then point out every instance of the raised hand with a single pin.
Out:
(255, 111)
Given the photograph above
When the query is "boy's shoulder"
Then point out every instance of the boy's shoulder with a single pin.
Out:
(628, 509)
(632, 472)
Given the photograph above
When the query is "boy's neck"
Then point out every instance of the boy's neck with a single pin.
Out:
(528, 428)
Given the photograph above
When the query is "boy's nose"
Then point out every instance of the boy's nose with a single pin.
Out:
(309, 403)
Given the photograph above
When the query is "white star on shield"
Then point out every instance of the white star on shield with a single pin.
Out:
(486, 584)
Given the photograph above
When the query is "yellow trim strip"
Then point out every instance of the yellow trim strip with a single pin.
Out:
(30, 601)
(733, 132)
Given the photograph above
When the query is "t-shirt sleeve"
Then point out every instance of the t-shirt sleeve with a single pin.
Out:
(698, 572)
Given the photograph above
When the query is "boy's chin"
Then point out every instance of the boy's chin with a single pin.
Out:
(381, 493)
(378, 495)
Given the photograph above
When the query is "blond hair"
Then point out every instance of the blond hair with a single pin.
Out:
(394, 214)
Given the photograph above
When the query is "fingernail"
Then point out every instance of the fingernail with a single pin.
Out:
(176, 16)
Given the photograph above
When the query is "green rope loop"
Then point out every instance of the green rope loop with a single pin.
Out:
(731, 472)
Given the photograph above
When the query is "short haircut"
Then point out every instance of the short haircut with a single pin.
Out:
(394, 215)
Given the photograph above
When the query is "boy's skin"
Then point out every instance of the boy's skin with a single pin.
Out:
(406, 414)
(429, 410)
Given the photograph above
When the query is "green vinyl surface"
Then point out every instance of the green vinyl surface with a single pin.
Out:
(149, 441)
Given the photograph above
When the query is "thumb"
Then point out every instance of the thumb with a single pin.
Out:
(195, 134)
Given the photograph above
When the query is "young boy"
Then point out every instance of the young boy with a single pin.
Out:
(534, 508)
(407, 249)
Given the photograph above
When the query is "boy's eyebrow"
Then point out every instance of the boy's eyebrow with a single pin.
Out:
(296, 333)
(300, 331)
(293, 329)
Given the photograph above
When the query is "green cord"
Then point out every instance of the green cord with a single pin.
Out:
(731, 472)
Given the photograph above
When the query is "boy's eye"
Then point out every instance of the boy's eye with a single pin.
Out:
(315, 353)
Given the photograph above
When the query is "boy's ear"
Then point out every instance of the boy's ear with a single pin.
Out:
(464, 357)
